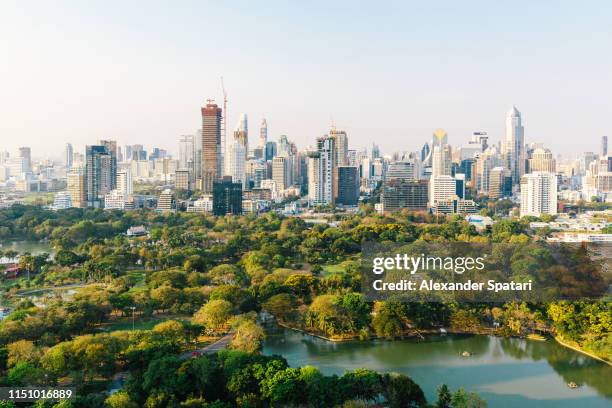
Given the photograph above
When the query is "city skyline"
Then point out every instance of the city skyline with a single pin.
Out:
(388, 77)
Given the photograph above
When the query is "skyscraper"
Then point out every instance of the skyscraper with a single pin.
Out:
(187, 156)
(263, 134)
(321, 171)
(75, 180)
(542, 160)
(110, 181)
(538, 194)
(347, 185)
(514, 145)
(281, 172)
(97, 170)
(604, 145)
(124, 182)
(341, 146)
(227, 197)
(241, 134)
(236, 163)
(68, 156)
(26, 154)
(211, 145)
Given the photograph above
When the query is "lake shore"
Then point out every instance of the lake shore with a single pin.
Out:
(421, 333)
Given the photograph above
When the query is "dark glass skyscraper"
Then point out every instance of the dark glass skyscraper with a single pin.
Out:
(227, 197)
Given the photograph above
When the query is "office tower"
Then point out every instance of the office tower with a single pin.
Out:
(401, 170)
(97, 174)
(182, 179)
(513, 147)
(341, 146)
(271, 151)
(211, 145)
(26, 154)
(236, 162)
(347, 185)
(465, 167)
(138, 152)
(352, 158)
(375, 151)
(227, 197)
(124, 182)
(400, 193)
(158, 154)
(166, 201)
(604, 145)
(321, 171)
(68, 156)
(255, 172)
(241, 134)
(500, 183)
(488, 160)
(441, 160)
(283, 146)
(538, 194)
(263, 134)
(475, 146)
(197, 157)
(109, 180)
(541, 160)
(460, 185)
(281, 172)
(187, 156)
(75, 181)
(441, 188)
(127, 153)
(425, 152)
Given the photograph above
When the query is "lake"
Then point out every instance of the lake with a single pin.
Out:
(33, 247)
(507, 372)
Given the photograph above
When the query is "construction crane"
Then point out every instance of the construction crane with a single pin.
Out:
(224, 147)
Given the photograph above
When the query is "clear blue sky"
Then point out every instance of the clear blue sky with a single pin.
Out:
(390, 72)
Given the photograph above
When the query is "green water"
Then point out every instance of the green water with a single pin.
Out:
(33, 247)
(506, 372)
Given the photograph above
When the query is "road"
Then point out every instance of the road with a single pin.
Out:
(218, 345)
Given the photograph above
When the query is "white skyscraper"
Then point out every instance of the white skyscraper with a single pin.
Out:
(321, 168)
(263, 134)
(124, 182)
(187, 156)
(514, 145)
(69, 154)
(441, 188)
(236, 162)
(538, 194)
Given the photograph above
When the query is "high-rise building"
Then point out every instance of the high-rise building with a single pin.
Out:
(271, 151)
(98, 172)
(541, 160)
(166, 201)
(211, 145)
(341, 146)
(241, 134)
(441, 160)
(111, 148)
(75, 180)
(398, 193)
(236, 162)
(441, 188)
(500, 183)
(321, 171)
(68, 156)
(124, 182)
(26, 154)
(187, 157)
(227, 197)
(281, 172)
(347, 185)
(401, 170)
(514, 145)
(538, 194)
(604, 145)
(263, 134)
(182, 179)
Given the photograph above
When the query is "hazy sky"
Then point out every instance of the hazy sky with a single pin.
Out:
(389, 72)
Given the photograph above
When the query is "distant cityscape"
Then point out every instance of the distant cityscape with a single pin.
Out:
(220, 172)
